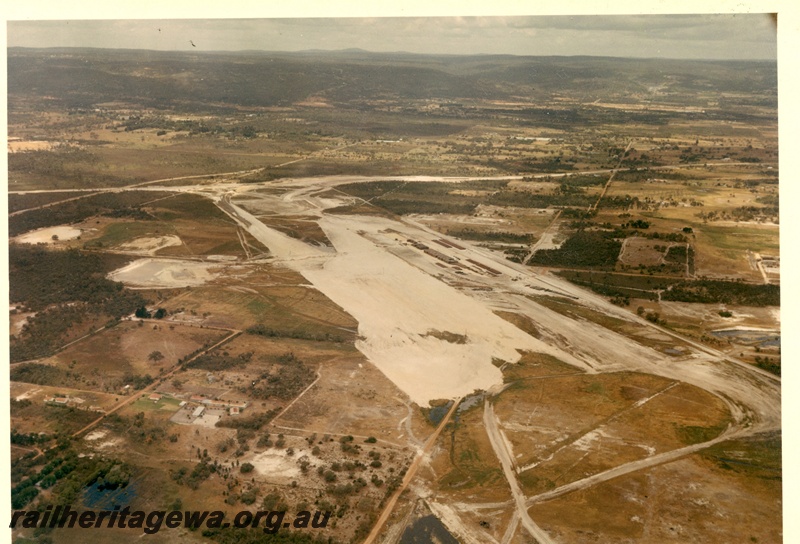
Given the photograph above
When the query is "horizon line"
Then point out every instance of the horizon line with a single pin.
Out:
(361, 50)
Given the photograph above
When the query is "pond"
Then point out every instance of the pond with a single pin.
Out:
(106, 499)
(426, 530)
(437, 413)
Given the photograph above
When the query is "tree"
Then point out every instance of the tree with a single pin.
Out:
(155, 356)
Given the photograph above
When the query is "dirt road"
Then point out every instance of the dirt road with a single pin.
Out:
(412, 470)
(545, 238)
(627, 468)
(499, 447)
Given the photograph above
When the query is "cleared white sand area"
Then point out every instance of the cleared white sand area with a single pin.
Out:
(45, 236)
(397, 305)
(165, 273)
(151, 245)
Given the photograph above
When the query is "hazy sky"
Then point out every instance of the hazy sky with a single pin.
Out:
(728, 36)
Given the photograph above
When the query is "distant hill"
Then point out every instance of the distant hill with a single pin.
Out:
(85, 77)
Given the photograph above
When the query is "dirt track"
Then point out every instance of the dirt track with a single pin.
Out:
(498, 444)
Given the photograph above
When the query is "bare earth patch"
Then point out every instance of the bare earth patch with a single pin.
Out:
(165, 273)
(49, 235)
(150, 246)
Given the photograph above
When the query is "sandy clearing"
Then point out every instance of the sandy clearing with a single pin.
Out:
(27, 394)
(109, 444)
(408, 304)
(747, 329)
(95, 435)
(460, 219)
(165, 273)
(19, 320)
(276, 463)
(29, 145)
(151, 245)
(397, 304)
(585, 442)
(222, 258)
(208, 419)
(45, 236)
(282, 246)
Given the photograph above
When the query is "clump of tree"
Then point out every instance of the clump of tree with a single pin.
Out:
(216, 361)
(65, 475)
(565, 195)
(623, 202)
(655, 317)
(135, 380)
(252, 422)
(38, 373)
(584, 249)
(636, 224)
(138, 428)
(66, 289)
(143, 313)
(724, 292)
(29, 439)
(284, 382)
(155, 356)
(199, 473)
(492, 236)
(768, 364)
(42, 277)
(125, 204)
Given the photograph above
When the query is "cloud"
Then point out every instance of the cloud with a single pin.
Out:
(681, 36)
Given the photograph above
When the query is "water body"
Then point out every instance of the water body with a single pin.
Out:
(437, 413)
(426, 530)
(469, 402)
(106, 499)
